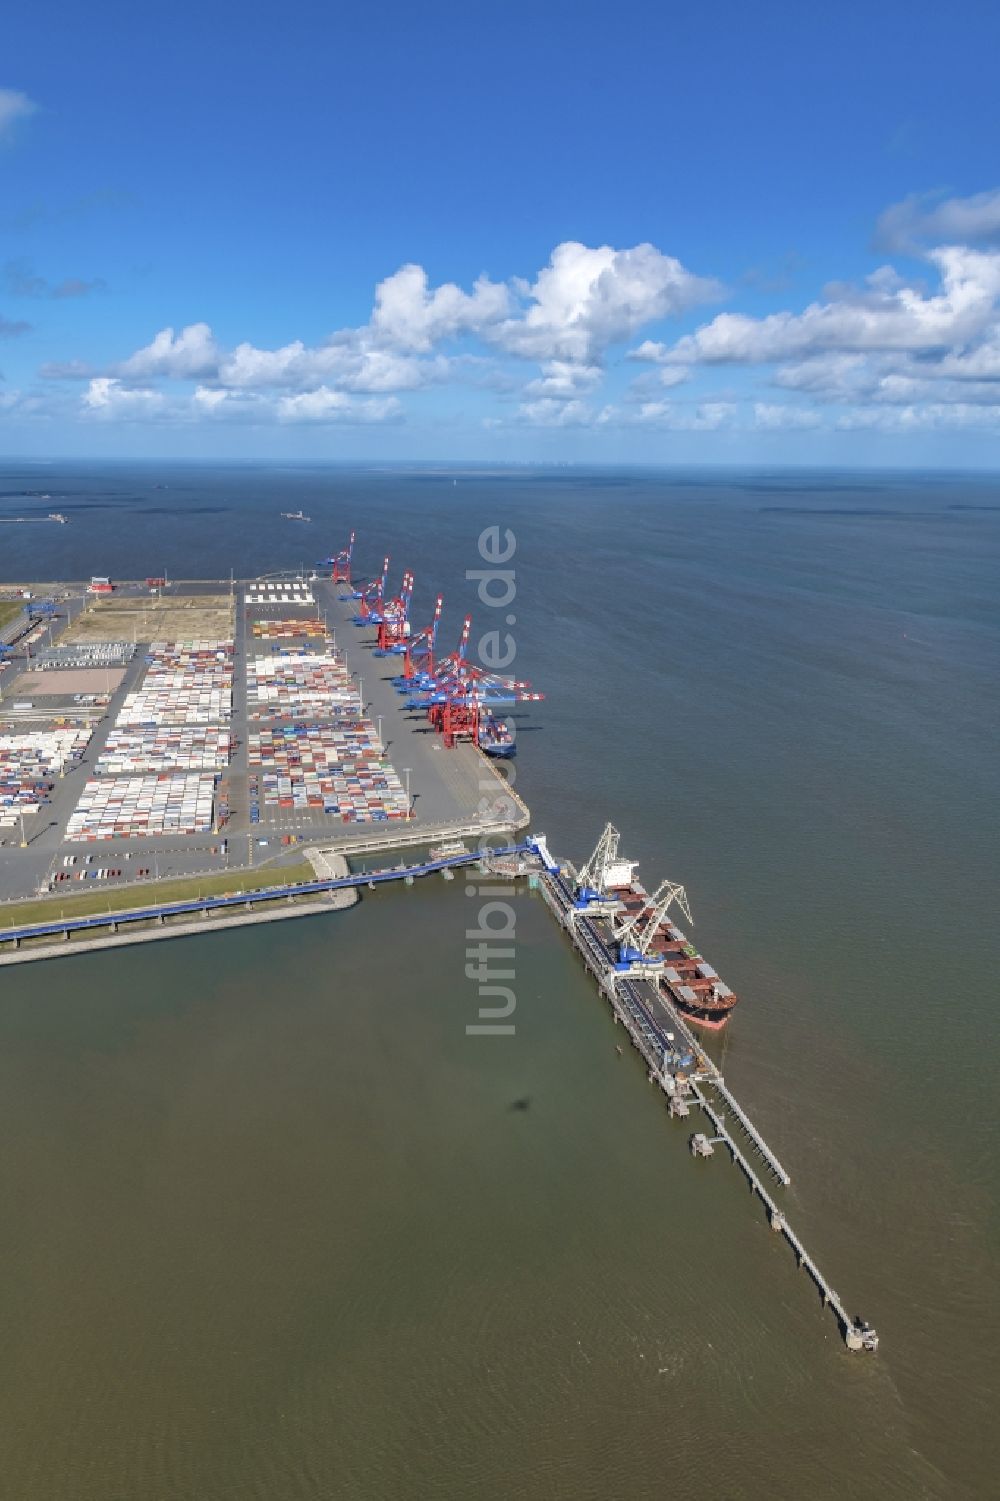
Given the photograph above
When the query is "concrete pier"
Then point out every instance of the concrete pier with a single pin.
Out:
(114, 939)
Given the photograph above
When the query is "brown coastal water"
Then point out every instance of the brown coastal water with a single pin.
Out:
(275, 1226)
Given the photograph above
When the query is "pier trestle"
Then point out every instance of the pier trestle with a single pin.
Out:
(631, 1011)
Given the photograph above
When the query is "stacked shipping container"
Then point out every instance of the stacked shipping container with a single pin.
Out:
(167, 748)
(299, 685)
(286, 630)
(30, 761)
(137, 807)
(329, 768)
(172, 725)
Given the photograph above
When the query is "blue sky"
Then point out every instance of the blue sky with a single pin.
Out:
(584, 232)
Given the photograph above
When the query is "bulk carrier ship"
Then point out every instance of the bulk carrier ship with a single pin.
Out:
(687, 980)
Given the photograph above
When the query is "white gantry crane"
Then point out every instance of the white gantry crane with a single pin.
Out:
(592, 874)
(635, 933)
(604, 872)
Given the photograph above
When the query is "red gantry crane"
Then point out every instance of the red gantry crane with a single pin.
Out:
(342, 565)
(372, 595)
(394, 621)
(418, 654)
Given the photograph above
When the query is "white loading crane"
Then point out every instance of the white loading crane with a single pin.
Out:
(635, 933)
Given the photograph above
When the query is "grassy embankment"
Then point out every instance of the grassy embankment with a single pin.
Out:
(51, 909)
(9, 608)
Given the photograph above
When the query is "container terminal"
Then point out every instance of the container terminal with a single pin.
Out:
(182, 756)
(171, 730)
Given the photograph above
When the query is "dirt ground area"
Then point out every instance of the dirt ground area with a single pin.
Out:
(62, 682)
(176, 617)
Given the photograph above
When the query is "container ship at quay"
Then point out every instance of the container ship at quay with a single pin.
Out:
(495, 738)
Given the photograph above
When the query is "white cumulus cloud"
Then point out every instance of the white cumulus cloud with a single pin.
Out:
(980, 362)
(904, 346)
(951, 221)
(562, 379)
(349, 363)
(879, 317)
(324, 405)
(587, 299)
(930, 417)
(665, 377)
(408, 315)
(210, 399)
(583, 301)
(14, 106)
(848, 379)
(190, 355)
(829, 375)
(109, 398)
(651, 352)
(551, 411)
(770, 417)
(671, 416)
